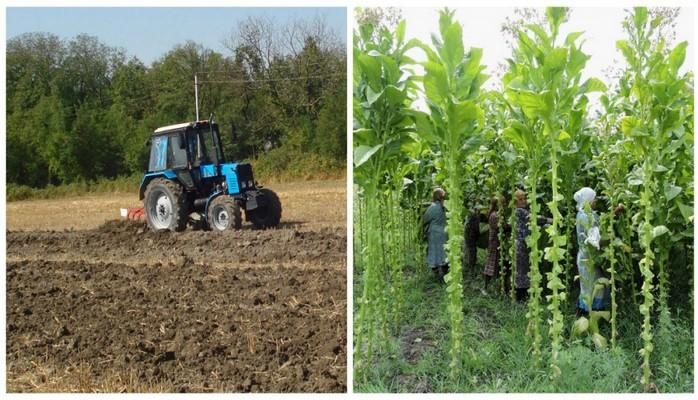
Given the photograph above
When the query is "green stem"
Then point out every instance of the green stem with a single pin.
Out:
(645, 234)
(554, 254)
(535, 290)
(454, 227)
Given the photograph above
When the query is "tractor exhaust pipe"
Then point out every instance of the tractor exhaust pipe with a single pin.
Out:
(196, 95)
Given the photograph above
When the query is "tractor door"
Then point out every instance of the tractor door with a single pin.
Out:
(158, 154)
(178, 160)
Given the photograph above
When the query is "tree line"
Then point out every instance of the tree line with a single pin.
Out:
(79, 110)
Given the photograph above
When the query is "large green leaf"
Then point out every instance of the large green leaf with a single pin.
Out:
(452, 51)
(532, 104)
(435, 82)
(628, 53)
(472, 66)
(677, 56)
(543, 37)
(391, 71)
(556, 59)
(529, 47)
(516, 136)
(686, 212)
(632, 127)
(371, 67)
(640, 16)
(671, 191)
(555, 17)
(400, 32)
(593, 85)
(390, 96)
(421, 119)
(572, 37)
(363, 153)
(576, 61)
(364, 136)
(463, 114)
(424, 127)
(658, 231)
(395, 145)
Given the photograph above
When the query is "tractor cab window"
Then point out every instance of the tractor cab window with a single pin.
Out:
(193, 145)
(202, 147)
(177, 154)
(211, 146)
(158, 154)
(196, 148)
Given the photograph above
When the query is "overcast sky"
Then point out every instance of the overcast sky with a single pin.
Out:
(481, 28)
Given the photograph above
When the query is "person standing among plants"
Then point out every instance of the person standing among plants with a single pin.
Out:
(472, 232)
(522, 282)
(492, 262)
(588, 236)
(435, 220)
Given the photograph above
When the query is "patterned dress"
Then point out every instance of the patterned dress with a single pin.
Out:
(523, 264)
(492, 262)
(435, 218)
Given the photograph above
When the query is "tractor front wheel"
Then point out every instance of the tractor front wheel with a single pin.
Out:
(224, 214)
(165, 205)
(268, 215)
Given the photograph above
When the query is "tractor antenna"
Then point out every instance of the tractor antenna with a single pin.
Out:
(196, 95)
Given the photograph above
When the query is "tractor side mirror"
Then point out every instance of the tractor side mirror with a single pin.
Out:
(148, 142)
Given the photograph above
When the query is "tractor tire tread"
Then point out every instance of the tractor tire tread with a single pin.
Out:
(181, 212)
(231, 204)
(274, 210)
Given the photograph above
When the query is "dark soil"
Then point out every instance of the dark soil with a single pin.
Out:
(133, 241)
(200, 311)
(414, 343)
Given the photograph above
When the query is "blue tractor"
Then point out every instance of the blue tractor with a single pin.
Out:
(188, 179)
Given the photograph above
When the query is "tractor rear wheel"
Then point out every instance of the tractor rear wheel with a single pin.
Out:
(165, 205)
(224, 214)
(269, 215)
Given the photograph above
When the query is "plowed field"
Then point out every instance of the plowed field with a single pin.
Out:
(115, 307)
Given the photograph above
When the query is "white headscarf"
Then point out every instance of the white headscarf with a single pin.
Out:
(584, 195)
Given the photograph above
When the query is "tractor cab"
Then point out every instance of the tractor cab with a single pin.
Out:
(185, 145)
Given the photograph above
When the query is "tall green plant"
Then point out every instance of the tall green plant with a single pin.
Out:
(452, 83)
(382, 95)
(653, 84)
(544, 81)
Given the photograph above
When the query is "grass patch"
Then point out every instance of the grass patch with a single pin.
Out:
(496, 349)
(124, 184)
